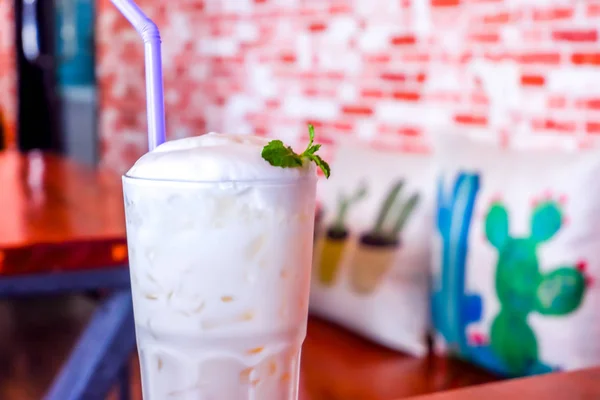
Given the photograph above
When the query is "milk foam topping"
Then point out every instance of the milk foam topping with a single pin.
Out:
(214, 157)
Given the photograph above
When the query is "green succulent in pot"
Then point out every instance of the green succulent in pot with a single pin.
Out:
(377, 247)
(333, 243)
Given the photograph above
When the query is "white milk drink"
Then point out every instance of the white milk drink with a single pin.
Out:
(220, 246)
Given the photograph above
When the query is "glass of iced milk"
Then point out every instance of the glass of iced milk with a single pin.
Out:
(220, 247)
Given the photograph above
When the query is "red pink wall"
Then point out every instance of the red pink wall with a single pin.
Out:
(390, 71)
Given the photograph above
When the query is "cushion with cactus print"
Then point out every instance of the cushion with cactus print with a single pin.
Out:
(371, 260)
(516, 254)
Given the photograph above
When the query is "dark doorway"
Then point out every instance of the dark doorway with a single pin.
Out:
(39, 111)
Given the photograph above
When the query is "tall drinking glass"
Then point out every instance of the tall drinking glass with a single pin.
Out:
(220, 275)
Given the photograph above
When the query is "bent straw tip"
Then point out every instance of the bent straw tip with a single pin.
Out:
(150, 32)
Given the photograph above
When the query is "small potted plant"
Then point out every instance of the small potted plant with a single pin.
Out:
(334, 241)
(376, 249)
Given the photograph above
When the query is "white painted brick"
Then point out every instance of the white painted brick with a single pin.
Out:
(238, 6)
(225, 46)
(421, 17)
(240, 105)
(348, 62)
(261, 81)
(366, 129)
(394, 112)
(347, 92)
(375, 39)
(578, 81)
(440, 78)
(341, 29)
(304, 51)
(301, 107)
(171, 96)
(246, 31)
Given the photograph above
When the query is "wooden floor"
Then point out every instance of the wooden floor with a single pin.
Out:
(36, 336)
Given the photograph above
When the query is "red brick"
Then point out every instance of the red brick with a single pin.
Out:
(586, 58)
(357, 110)
(311, 91)
(469, 119)
(590, 35)
(340, 9)
(446, 97)
(421, 77)
(393, 76)
(591, 104)
(382, 129)
(374, 93)
(496, 57)
(593, 10)
(288, 58)
(553, 125)
(592, 127)
(343, 126)
(485, 37)
(404, 40)
(260, 130)
(324, 139)
(557, 102)
(533, 35)
(317, 124)
(409, 131)
(532, 80)
(406, 96)
(260, 1)
(553, 14)
(480, 98)
(499, 18)
(416, 57)
(317, 27)
(307, 75)
(272, 103)
(268, 14)
(415, 148)
(540, 58)
(445, 3)
(465, 57)
(377, 58)
(335, 75)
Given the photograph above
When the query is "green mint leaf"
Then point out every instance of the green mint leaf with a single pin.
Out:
(321, 164)
(311, 135)
(311, 150)
(279, 155)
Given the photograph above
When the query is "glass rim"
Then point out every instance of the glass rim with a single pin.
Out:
(255, 182)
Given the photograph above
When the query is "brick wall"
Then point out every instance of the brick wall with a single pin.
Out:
(389, 71)
(8, 73)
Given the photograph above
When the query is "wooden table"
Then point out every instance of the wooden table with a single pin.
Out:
(584, 384)
(337, 365)
(62, 231)
(58, 215)
(56, 209)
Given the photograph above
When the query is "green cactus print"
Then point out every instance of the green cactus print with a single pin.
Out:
(522, 288)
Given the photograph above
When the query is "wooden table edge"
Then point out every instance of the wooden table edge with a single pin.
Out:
(580, 384)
